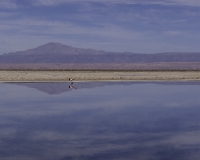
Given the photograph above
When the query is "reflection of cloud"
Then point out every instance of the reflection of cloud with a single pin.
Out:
(7, 132)
(117, 121)
(106, 146)
(173, 104)
(185, 138)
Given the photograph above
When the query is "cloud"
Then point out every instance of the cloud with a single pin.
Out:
(173, 33)
(105, 27)
(193, 3)
(58, 2)
(8, 4)
(7, 14)
(49, 28)
(22, 34)
(49, 2)
(11, 4)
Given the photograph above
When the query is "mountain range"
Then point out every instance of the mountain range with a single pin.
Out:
(58, 56)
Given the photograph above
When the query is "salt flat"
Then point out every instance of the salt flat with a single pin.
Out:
(51, 76)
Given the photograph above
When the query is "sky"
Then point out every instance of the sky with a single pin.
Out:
(138, 26)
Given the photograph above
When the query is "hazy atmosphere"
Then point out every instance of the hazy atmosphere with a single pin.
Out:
(99, 79)
(138, 26)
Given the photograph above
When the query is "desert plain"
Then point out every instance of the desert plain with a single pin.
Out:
(63, 76)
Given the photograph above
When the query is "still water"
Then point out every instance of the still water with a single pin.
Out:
(129, 120)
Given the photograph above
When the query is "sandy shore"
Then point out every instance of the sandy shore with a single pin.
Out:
(49, 76)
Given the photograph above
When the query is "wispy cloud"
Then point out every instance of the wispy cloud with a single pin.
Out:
(145, 2)
(173, 33)
(8, 4)
(112, 25)
(7, 14)
(194, 3)
(107, 32)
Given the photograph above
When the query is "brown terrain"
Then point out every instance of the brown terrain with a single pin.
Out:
(160, 66)
(80, 76)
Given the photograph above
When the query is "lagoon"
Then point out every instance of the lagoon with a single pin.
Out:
(100, 120)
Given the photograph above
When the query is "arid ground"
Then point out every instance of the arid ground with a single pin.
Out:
(63, 76)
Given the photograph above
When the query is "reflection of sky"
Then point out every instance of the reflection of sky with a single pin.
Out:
(135, 121)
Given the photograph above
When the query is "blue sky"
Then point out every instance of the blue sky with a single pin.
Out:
(139, 26)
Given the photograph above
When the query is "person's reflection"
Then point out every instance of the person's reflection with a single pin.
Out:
(71, 86)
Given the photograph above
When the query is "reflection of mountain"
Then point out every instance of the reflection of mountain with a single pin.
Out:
(50, 88)
(58, 88)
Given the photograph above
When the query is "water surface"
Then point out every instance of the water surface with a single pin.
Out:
(99, 120)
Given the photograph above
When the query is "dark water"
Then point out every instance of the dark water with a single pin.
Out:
(143, 121)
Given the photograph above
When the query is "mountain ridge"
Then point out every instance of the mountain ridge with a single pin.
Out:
(57, 53)
(58, 48)
(55, 48)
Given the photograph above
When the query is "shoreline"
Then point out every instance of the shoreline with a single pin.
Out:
(84, 76)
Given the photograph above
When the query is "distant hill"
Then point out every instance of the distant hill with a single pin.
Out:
(59, 53)
(55, 49)
(62, 55)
